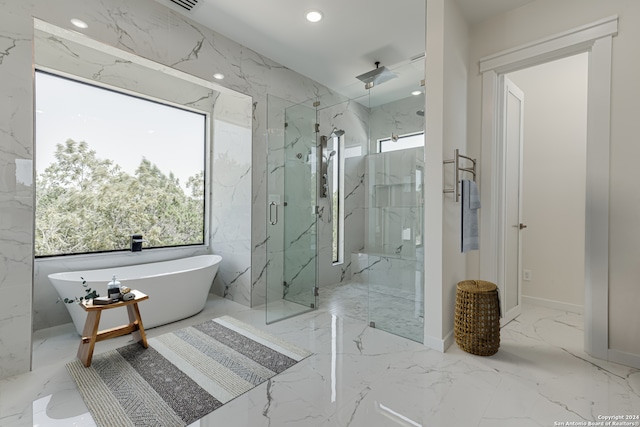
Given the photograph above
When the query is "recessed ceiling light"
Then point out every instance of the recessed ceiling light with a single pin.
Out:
(218, 76)
(79, 23)
(416, 92)
(314, 16)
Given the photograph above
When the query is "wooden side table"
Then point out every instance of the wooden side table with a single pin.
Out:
(91, 335)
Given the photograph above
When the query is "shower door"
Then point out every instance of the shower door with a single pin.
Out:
(394, 246)
(291, 209)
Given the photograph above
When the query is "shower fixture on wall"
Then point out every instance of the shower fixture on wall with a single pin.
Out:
(325, 161)
(326, 190)
(336, 133)
(376, 76)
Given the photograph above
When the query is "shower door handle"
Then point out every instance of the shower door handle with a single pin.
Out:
(271, 215)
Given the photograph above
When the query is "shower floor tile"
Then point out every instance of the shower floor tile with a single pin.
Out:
(392, 311)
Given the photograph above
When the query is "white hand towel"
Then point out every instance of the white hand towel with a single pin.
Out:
(469, 216)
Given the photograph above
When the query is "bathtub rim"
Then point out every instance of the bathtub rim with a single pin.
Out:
(62, 275)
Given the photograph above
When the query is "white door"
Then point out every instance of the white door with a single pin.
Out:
(512, 125)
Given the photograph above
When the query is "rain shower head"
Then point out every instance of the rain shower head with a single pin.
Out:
(336, 133)
(376, 76)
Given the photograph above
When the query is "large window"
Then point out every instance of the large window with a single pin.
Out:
(110, 164)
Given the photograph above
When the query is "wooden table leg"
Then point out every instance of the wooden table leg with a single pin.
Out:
(88, 340)
(135, 318)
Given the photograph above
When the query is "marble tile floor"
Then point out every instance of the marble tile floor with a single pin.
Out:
(359, 376)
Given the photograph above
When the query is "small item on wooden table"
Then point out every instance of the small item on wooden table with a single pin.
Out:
(113, 289)
(126, 294)
(104, 300)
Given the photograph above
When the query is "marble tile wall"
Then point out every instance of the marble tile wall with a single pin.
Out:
(16, 195)
(399, 117)
(153, 31)
(58, 50)
(353, 118)
(231, 208)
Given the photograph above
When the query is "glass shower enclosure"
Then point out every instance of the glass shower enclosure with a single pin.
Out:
(393, 260)
(292, 266)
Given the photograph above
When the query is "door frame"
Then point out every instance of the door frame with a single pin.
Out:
(507, 87)
(595, 38)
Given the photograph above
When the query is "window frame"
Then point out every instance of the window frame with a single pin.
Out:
(337, 226)
(406, 135)
(206, 154)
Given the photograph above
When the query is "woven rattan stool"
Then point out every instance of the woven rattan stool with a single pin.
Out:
(477, 319)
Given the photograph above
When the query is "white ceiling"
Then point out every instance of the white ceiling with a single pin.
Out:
(353, 35)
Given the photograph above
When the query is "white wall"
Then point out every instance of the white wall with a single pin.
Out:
(543, 18)
(446, 64)
(456, 63)
(553, 180)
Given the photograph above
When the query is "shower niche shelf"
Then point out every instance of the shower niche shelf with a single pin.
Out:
(396, 195)
(395, 203)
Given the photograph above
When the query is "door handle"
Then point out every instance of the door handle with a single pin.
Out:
(271, 216)
(520, 226)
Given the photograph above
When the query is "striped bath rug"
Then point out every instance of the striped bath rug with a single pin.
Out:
(183, 375)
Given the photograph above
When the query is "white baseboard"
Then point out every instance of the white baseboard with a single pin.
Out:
(438, 344)
(448, 340)
(557, 305)
(627, 359)
(434, 343)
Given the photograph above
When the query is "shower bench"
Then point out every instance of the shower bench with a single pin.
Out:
(91, 335)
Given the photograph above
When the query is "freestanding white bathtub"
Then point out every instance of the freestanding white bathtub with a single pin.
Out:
(177, 289)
